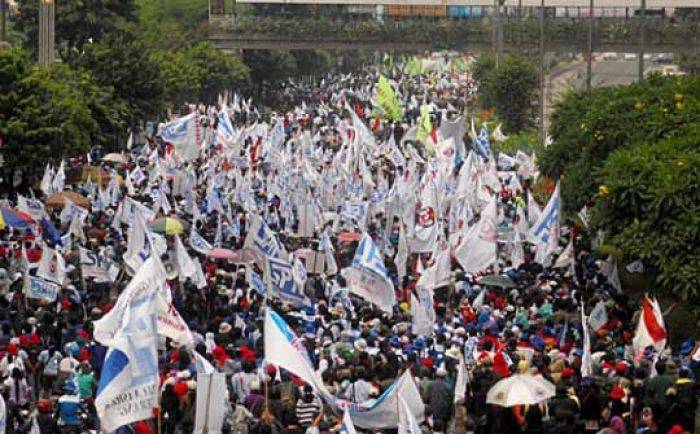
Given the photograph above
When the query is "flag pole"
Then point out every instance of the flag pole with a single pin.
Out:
(205, 429)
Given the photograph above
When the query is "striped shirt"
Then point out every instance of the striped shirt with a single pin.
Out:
(306, 411)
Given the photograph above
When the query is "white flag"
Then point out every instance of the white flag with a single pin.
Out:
(128, 387)
(52, 266)
(478, 250)
(401, 255)
(407, 420)
(586, 361)
(212, 402)
(185, 265)
(46, 181)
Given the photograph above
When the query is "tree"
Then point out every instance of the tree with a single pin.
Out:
(221, 71)
(649, 206)
(78, 22)
(172, 24)
(485, 63)
(48, 113)
(199, 73)
(512, 87)
(124, 65)
(586, 127)
(312, 62)
(269, 67)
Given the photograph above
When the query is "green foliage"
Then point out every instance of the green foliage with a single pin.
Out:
(169, 24)
(270, 67)
(122, 64)
(199, 73)
(511, 89)
(587, 127)
(484, 65)
(312, 62)
(48, 113)
(78, 22)
(526, 142)
(651, 210)
(690, 63)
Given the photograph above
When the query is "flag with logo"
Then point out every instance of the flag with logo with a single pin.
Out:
(91, 266)
(279, 275)
(545, 231)
(52, 266)
(478, 249)
(128, 389)
(181, 133)
(367, 276)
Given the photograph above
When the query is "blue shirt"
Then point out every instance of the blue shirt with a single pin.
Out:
(68, 408)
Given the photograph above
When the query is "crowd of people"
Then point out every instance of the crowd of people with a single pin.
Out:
(476, 294)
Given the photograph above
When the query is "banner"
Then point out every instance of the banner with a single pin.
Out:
(91, 266)
(279, 276)
(42, 289)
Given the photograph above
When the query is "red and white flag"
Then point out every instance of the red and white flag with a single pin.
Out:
(651, 330)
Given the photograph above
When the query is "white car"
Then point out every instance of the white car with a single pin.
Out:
(630, 56)
(609, 56)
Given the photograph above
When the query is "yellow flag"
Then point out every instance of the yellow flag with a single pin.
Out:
(387, 100)
(425, 126)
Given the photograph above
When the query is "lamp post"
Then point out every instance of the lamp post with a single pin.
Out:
(543, 133)
(47, 15)
(589, 64)
(642, 37)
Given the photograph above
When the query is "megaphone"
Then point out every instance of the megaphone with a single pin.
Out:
(170, 270)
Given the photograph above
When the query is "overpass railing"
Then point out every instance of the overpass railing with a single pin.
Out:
(446, 32)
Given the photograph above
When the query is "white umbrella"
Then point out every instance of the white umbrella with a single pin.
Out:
(520, 389)
(114, 158)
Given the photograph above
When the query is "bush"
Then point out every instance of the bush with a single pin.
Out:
(587, 127)
(649, 206)
(511, 88)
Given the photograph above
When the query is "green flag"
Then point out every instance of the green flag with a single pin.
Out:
(387, 101)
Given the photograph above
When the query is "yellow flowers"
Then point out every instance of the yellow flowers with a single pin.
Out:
(677, 96)
(679, 106)
(680, 163)
(639, 105)
(603, 190)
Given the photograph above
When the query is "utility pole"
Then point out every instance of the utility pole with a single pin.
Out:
(642, 37)
(543, 134)
(47, 15)
(589, 65)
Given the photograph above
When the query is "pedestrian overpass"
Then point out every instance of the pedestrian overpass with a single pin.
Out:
(633, 26)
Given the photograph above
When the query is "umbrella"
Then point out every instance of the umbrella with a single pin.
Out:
(114, 158)
(167, 225)
(14, 218)
(58, 200)
(520, 389)
(497, 280)
(223, 254)
(347, 237)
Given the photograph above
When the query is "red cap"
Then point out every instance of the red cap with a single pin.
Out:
(617, 393)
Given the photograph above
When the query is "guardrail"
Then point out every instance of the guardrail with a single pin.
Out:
(444, 33)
